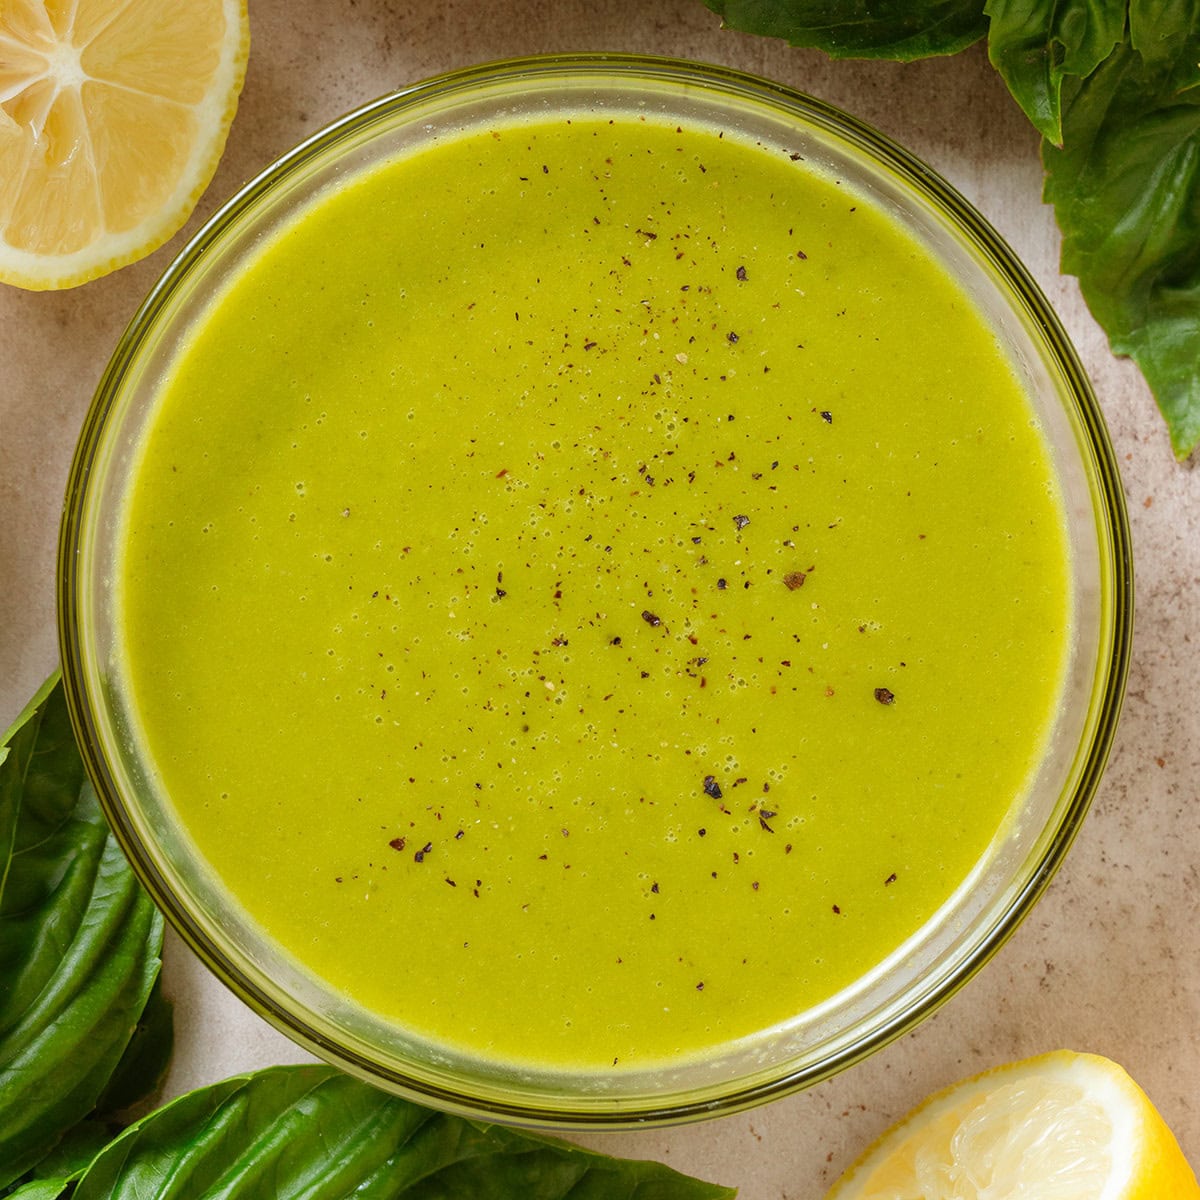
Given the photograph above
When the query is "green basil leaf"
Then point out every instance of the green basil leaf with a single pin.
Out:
(39, 1189)
(1037, 44)
(896, 29)
(313, 1132)
(1126, 192)
(1164, 33)
(144, 1064)
(66, 1162)
(79, 939)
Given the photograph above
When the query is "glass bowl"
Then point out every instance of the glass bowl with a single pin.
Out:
(928, 964)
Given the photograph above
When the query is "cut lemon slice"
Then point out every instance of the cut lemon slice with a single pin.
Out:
(1063, 1126)
(113, 116)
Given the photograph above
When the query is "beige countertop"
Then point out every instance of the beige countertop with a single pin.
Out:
(1109, 961)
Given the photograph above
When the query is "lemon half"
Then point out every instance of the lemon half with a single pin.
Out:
(1062, 1126)
(113, 116)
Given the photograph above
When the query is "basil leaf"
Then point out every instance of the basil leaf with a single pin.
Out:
(1126, 192)
(66, 1162)
(895, 29)
(313, 1132)
(144, 1064)
(1037, 45)
(39, 1189)
(1164, 33)
(79, 939)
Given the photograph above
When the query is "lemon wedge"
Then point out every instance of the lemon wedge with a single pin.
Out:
(113, 116)
(1062, 1126)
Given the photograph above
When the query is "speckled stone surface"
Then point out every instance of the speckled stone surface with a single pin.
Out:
(1109, 961)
